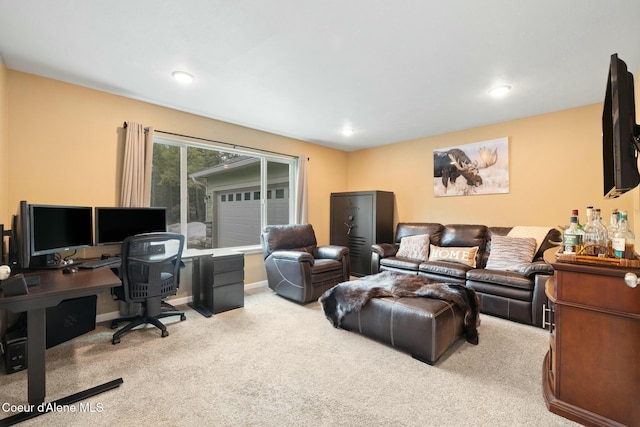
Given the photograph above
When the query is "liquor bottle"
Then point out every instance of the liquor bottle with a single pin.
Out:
(598, 215)
(574, 212)
(613, 225)
(590, 233)
(573, 237)
(602, 226)
(623, 241)
(603, 234)
(595, 234)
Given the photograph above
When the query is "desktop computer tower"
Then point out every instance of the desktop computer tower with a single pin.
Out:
(69, 319)
(14, 348)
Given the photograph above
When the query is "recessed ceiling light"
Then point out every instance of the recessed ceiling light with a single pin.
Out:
(182, 76)
(348, 131)
(500, 90)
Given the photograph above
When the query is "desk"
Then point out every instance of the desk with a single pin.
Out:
(54, 287)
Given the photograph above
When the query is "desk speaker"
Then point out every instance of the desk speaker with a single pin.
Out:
(15, 285)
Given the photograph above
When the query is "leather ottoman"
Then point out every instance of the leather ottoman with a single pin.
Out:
(424, 327)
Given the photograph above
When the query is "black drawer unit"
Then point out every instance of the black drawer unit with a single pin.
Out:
(218, 283)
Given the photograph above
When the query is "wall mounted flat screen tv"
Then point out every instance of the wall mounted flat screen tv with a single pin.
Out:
(620, 133)
(54, 229)
(113, 225)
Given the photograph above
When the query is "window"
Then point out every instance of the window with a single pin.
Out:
(214, 195)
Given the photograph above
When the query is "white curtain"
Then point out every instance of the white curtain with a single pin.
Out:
(302, 209)
(136, 170)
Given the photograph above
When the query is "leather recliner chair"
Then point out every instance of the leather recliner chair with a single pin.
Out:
(297, 268)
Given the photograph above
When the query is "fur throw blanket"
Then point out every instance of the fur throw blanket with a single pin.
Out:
(352, 296)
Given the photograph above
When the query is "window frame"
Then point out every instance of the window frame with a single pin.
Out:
(292, 162)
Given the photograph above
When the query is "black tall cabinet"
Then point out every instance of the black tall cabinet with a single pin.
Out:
(358, 220)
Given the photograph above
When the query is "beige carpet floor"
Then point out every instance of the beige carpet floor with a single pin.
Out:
(276, 363)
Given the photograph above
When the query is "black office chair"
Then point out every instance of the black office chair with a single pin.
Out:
(150, 272)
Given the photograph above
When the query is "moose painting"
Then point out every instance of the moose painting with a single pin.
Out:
(477, 168)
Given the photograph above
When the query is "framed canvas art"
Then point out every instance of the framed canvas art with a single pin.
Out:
(472, 169)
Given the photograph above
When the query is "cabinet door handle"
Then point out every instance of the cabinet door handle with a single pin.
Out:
(349, 227)
(631, 280)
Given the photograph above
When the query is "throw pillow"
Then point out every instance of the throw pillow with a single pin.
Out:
(414, 247)
(538, 233)
(510, 253)
(465, 256)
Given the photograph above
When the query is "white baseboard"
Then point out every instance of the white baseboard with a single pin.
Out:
(256, 285)
(106, 317)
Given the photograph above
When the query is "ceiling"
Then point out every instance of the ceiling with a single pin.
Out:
(390, 70)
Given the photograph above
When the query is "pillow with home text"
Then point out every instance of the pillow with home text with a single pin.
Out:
(461, 255)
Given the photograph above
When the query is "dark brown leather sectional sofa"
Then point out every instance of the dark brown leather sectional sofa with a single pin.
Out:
(515, 295)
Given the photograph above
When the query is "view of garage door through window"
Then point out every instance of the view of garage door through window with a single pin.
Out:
(224, 194)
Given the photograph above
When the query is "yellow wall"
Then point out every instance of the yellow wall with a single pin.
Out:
(4, 146)
(64, 143)
(4, 162)
(5, 217)
(555, 165)
(66, 149)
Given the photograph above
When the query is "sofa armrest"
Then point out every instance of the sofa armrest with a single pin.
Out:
(537, 267)
(298, 256)
(379, 251)
(384, 250)
(331, 252)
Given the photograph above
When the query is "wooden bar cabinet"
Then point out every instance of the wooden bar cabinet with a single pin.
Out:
(591, 373)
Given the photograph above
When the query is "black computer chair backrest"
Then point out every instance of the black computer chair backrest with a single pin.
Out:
(151, 265)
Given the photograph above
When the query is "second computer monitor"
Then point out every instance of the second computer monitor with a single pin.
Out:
(113, 225)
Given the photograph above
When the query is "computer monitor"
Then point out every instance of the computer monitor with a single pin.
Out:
(54, 228)
(113, 225)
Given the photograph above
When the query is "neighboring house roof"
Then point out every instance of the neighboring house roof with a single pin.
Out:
(234, 163)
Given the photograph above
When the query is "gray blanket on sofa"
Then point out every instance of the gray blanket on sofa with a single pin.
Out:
(353, 295)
